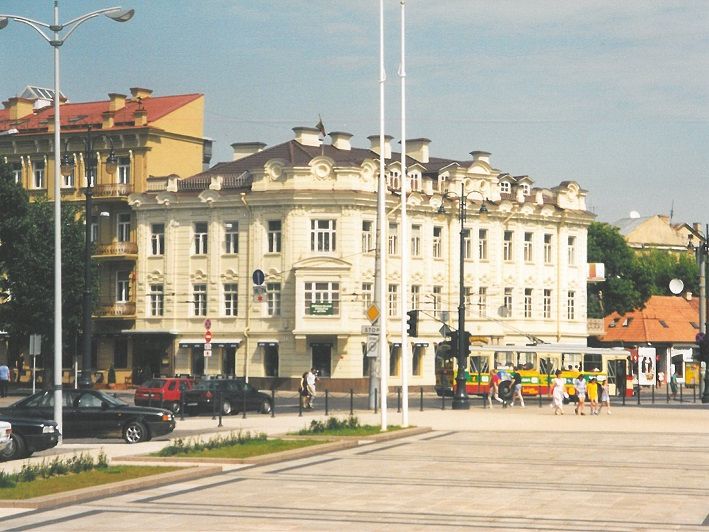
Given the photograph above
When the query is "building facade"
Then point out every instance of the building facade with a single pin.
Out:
(304, 213)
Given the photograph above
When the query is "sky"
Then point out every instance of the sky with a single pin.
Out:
(613, 95)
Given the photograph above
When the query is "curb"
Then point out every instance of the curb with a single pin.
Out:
(115, 488)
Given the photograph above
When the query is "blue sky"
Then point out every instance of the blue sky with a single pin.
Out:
(613, 95)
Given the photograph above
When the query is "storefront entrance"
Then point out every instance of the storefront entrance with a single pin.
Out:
(322, 358)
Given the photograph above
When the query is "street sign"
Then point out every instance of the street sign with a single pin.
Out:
(370, 329)
(207, 323)
(207, 352)
(445, 330)
(207, 336)
(208, 346)
(35, 344)
(372, 313)
(372, 345)
(259, 294)
(258, 277)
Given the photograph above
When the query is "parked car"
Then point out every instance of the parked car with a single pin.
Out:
(94, 413)
(234, 394)
(163, 392)
(29, 436)
(5, 435)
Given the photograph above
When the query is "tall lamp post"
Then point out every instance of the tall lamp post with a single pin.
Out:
(461, 400)
(56, 39)
(91, 171)
(702, 251)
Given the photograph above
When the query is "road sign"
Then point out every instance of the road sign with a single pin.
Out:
(207, 352)
(35, 344)
(370, 329)
(372, 345)
(259, 294)
(208, 346)
(445, 330)
(372, 313)
(207, 336)
(207, 323)
(258, 277)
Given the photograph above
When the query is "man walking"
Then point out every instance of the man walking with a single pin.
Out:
(310, 380)
(580, 384)
(4, 379)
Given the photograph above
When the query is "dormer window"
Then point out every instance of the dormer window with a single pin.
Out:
(526, 189)
(505, 187)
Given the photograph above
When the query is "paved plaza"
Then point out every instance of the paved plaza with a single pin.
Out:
(639, 468)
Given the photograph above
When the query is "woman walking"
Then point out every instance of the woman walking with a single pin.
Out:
(558, 393)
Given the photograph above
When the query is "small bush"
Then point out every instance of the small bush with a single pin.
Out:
(180, 446)
(332, 424)
(57, 467)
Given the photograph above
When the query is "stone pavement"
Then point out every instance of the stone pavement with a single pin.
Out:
(639, 468)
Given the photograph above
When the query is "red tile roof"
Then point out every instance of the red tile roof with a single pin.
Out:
(80, 115)
(664, 319)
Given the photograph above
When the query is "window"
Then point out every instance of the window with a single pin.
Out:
(321, 295)
(415, 302)
(437, 300)
(322, 235)
(528, 257)
(157, 239)
(17, 173)
(199, 299)
(231, 238)
(572, 250)
(469, 301)
(368, 245)
(570, 305)
(467, 244)
(94, 229)
(547, 249)
(393, 239)
(123, 174)
(394, 359)
(527, 302)
(270, 360)
(122, 287)
(123, 227)
(507, 301)
(231, 299)
(417, 360)
(157, 299)
(507, 246)
(526, 189)
(274, 236)
(201, 233)
(482, 244)
(367, 295)
(482, 301)
(547, 303)
(437, 232)
(274, 299)
(69, 180)
(415, 240)
(393, 300)
(505, 187)
(38, 174)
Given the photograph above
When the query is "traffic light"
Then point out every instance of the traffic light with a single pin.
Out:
(412, 323)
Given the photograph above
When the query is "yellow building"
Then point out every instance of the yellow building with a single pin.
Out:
(149, 136)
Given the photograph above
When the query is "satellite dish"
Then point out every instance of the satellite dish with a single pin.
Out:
(676, 286)
(503, 312)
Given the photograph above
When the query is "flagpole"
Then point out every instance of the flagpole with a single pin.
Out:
(405, 244)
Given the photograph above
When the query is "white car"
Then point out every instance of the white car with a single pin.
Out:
(5, 431)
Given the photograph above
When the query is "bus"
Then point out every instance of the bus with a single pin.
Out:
(536, 365)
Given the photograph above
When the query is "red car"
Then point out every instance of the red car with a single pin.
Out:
(164, 392)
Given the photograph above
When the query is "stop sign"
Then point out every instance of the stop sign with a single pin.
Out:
(208, 336)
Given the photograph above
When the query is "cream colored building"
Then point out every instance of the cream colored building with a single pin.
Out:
(304, 213)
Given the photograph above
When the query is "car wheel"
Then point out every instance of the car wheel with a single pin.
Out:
(265, 407)
(226, 408)
(15, 450)
(135, 432)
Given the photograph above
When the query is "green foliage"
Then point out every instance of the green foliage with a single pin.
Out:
(331, 425)
(180, 446)
(57, 467)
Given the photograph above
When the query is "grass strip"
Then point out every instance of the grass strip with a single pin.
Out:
(73, 481)
(247, 448)
(341, 427)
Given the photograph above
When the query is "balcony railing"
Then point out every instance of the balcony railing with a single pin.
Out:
(113, 190)
(115, 310)
(116, 249)
(595, 326)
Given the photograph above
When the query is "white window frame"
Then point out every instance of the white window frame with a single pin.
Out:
(547, 303)
(467, 244)
(416, 240)
(482, 301)
(122, 286)
(123, 227)
(322, 292)
(38, 174)
(505, 187)
(367, 295)
(231, 238)
(368, 236)
(123, 171)
(231, 299)
(393, 300)
(393, 237)
(507, 245)
(415, 297)
(157, 300)
(507, 300)
(571, 305)
(571, 248)
(201, 238)
(528, 247)
(275, 234)
(157, 239)
(527, 302)
(273, 291)
(323, 235)
(437, 292)
(437, 242)
(482, 244)
(548, 248)
(199, 299)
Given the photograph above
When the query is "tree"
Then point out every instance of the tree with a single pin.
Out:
(27, 266)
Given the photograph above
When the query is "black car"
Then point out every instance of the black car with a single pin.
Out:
(234, 394)
(93, 413)
(28, 436)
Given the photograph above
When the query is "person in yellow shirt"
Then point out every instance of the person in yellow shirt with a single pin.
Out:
(592, 392)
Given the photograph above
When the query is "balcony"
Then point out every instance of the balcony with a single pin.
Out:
(117, 310)
(595, 327)
(116, 250)
(113, 190)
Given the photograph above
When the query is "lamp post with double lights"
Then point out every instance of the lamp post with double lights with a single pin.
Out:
(58, 36)
(91, 172)
(461, 400)
(702, 251)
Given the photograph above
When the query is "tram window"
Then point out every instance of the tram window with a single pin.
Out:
(592, 362)
(504, 359)
(546, 366)
(571, 361)
(527, 360)
(479, 364)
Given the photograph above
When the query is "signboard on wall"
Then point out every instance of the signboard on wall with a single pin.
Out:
(321, 309)
(646, 366)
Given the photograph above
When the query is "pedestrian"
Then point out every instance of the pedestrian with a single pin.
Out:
(558, 393)
(580, 384)
(673, 384)
(311, 377)
(4, 379)
(517, 388)
(605, 397)
(592, 391)
(20, 366)
(494, 388)
(303, 389)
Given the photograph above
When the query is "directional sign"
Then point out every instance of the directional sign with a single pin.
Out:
(208, 352)
(372, 345)
(258, 277)
(207, 336)
(370, 329)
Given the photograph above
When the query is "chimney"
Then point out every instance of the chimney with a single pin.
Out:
(245, 149)
(138, 92)
(116, 101)
(418, 149)
(374, 145)
(341, 140)
(18, 107)
(482, 156)
(307, 136)
(688, 295)
(140, 117)
(107, 119)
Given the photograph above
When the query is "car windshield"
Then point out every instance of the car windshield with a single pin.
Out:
(153, 383)
(112, 399)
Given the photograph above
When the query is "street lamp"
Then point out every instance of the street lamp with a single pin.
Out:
(56, 40)
(91, 172)
(702, 251)
(460, 398)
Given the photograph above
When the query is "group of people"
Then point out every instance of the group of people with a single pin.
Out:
(596, 391)
(307, 388)
(496, 377)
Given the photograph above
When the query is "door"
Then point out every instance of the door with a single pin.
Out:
(322, 359)
(616, 377)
